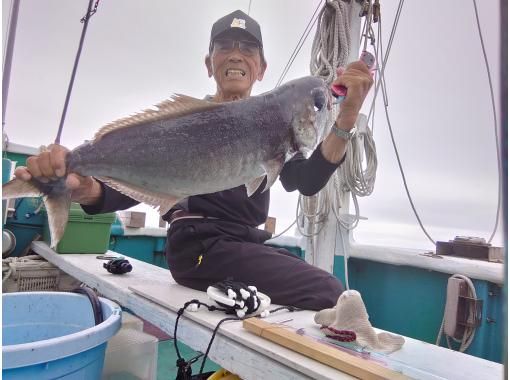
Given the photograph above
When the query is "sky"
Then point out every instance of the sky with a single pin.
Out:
(137, 53)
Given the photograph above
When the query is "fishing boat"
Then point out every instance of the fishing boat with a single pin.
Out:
(419, 243)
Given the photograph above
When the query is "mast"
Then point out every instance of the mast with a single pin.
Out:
(333, 239)
(8, 56)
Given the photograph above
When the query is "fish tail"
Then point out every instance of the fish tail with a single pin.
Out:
(56, 197)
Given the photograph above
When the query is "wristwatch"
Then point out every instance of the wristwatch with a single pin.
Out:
(343, 134)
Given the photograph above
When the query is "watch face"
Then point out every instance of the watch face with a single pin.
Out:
(346, 135)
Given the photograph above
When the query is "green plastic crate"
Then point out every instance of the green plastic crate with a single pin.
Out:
(84, 233)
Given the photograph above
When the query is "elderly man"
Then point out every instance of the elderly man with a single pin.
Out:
(214, 236)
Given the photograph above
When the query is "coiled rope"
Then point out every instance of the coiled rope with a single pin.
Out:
(332, 41)
(330, 50)
(469, 332)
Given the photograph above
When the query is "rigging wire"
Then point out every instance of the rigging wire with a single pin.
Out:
(404, 177)
(498, 152)
(386, 55)
(249, 8)
(85, 20)
(299, 44)
(382, 84)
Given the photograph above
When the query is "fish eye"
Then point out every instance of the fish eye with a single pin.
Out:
(319, 99)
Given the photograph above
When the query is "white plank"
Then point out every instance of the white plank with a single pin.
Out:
(250, 356)
(227, 352)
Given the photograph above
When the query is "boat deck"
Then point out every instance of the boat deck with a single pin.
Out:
(151, 293)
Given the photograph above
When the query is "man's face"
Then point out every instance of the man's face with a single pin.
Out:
(236, 63)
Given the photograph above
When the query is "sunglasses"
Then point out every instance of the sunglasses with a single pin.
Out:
(226, 45)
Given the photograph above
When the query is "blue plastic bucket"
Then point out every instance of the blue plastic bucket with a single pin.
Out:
(52, 335)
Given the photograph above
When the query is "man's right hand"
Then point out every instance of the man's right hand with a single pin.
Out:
(50, 165)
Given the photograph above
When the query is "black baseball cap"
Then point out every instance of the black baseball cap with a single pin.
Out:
(238, 21)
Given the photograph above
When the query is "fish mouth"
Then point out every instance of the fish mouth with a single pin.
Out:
(235, 73)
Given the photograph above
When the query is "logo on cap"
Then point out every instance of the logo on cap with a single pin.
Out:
(238, 23)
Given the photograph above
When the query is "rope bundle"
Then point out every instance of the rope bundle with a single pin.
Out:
(330, 47)
(330, 50)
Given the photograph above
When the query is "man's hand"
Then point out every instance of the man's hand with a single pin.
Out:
(358, 81)
(50, 165)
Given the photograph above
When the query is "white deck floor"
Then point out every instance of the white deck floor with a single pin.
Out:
(234, 348)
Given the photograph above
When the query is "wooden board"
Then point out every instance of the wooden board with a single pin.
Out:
(342, 361)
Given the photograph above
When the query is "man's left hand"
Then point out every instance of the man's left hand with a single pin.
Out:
(358, 81)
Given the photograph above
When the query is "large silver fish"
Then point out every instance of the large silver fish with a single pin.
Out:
(186, 146)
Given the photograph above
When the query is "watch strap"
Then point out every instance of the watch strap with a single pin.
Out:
(343, 134)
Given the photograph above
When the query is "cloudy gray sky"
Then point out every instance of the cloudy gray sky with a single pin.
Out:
(137, 53)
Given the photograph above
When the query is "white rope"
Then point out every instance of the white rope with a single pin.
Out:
(469, 332)
(330, 50)
(330, 47)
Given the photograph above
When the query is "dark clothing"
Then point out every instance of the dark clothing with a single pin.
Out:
(202, 252)
(232, 246)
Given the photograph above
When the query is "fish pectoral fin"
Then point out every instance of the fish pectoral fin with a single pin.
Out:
(254, 184)
(17, 188)
(57, 208)
(163, 202)
(273, 168)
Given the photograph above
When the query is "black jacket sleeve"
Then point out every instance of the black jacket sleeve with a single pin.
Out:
(310, 175)
(112, 201)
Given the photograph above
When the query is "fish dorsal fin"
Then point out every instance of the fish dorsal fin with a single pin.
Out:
(177, 105)
(163, 202)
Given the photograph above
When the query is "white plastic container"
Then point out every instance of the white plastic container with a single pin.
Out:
(130, 321)
(131, 354)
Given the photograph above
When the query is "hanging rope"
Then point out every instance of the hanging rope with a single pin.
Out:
(330, 48)
(469, 332)
(85, 21)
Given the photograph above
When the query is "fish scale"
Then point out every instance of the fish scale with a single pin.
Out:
(186, 146)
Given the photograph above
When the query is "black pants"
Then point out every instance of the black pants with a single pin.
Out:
(232, 250)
